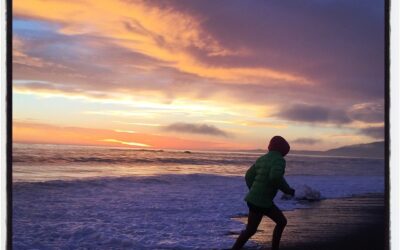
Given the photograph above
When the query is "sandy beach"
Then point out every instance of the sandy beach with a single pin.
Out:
(348, 223)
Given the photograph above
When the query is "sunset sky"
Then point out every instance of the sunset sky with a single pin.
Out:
(198, 74)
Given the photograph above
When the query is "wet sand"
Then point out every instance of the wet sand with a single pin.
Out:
(349, 223)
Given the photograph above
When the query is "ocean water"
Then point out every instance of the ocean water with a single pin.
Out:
(71, 197)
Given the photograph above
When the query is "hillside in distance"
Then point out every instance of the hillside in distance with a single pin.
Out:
(370, 150)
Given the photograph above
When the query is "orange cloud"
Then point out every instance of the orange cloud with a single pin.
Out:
(162, 33)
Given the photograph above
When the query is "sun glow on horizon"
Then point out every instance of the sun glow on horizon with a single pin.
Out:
(126, 143)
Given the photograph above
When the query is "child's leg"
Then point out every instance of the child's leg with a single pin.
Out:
(277, 216)
(253, 220)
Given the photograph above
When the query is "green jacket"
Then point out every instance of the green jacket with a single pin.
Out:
(264, 179)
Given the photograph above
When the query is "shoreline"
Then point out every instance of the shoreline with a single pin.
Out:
(354, 223)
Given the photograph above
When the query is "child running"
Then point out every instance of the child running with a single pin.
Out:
(264, 178)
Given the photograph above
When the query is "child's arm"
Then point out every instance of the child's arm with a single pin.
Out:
(286, 188)
(250, 175)
(277, 179)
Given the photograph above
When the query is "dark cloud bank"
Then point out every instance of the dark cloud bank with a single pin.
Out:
(307, 141)
(196, 129)
(374, 132)
(313, 114)
(368, 113)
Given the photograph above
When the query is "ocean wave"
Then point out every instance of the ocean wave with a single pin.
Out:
(102, 182)
(128, 160)
(307, 187)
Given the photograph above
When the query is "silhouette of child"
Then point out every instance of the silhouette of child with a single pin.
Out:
(264, 178)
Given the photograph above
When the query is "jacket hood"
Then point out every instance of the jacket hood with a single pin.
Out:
(278, 143)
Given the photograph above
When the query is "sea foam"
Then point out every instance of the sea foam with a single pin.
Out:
(161, 212)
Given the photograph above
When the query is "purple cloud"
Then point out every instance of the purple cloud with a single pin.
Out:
(313, 114)
(340, 44)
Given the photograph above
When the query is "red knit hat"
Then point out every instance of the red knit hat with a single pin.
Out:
(278, 143)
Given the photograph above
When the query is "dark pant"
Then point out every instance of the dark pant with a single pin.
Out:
(254, 219)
